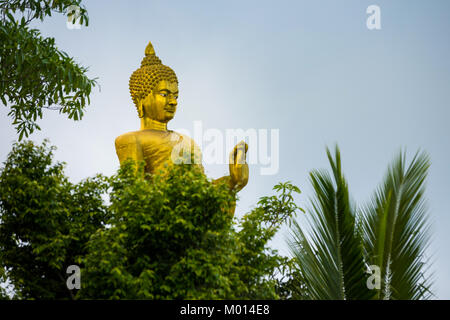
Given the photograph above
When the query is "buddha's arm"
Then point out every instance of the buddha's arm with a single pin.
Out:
(127, 147)
(226, 179)
(235, 181)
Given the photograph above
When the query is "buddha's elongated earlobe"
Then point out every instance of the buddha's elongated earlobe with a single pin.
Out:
(141, 108)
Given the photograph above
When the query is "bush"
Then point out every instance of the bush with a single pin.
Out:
(168, 236)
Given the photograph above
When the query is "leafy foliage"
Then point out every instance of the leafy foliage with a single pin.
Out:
(396, 230)
(390, 233)
(172, 237)
(34, 74)
(167, 236)
(331, 263)
(46, 221)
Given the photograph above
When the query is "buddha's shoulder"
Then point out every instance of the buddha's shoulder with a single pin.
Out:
(142, 137)
(128, 138)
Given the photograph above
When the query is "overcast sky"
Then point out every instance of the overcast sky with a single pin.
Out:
(311, 69)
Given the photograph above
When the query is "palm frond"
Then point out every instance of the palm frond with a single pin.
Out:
(331, 261)
(396, 232)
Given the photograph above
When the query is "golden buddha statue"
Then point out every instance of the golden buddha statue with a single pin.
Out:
(154, 90)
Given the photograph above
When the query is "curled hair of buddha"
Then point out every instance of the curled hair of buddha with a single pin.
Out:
(147, 77)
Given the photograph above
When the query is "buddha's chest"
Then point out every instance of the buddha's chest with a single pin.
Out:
(162, 147)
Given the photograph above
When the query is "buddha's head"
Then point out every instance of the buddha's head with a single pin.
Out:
(154, 88)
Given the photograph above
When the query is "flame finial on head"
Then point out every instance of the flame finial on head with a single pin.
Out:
(149, 51)
(150, 57)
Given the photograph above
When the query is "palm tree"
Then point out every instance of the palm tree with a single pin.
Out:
(388, 236)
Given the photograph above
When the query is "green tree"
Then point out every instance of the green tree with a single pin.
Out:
(34, 74)
(390, 233)
(161, 237)
(171, 237)
(45, 221)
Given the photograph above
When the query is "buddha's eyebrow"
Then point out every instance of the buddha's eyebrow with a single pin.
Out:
(167, 90)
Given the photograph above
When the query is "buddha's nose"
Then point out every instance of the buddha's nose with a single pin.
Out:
(172, 101)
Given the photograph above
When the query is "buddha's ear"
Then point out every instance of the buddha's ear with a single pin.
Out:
(140, 108)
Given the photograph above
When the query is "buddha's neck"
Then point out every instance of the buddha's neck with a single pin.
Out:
(147, 123)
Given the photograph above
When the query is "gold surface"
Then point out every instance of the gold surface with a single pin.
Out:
(154, 90)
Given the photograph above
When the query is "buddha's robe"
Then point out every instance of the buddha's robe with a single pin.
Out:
(158, 149)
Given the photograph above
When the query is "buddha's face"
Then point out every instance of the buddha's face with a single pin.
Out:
(161, 103)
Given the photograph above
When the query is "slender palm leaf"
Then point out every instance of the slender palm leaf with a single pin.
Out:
(330, 258)
(396, 231)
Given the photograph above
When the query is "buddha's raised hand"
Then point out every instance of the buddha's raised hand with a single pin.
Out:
(238, 166)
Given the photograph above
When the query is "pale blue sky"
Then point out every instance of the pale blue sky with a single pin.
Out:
(308, 68)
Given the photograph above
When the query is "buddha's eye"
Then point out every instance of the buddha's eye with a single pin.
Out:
(176, 97)
(163, 94)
